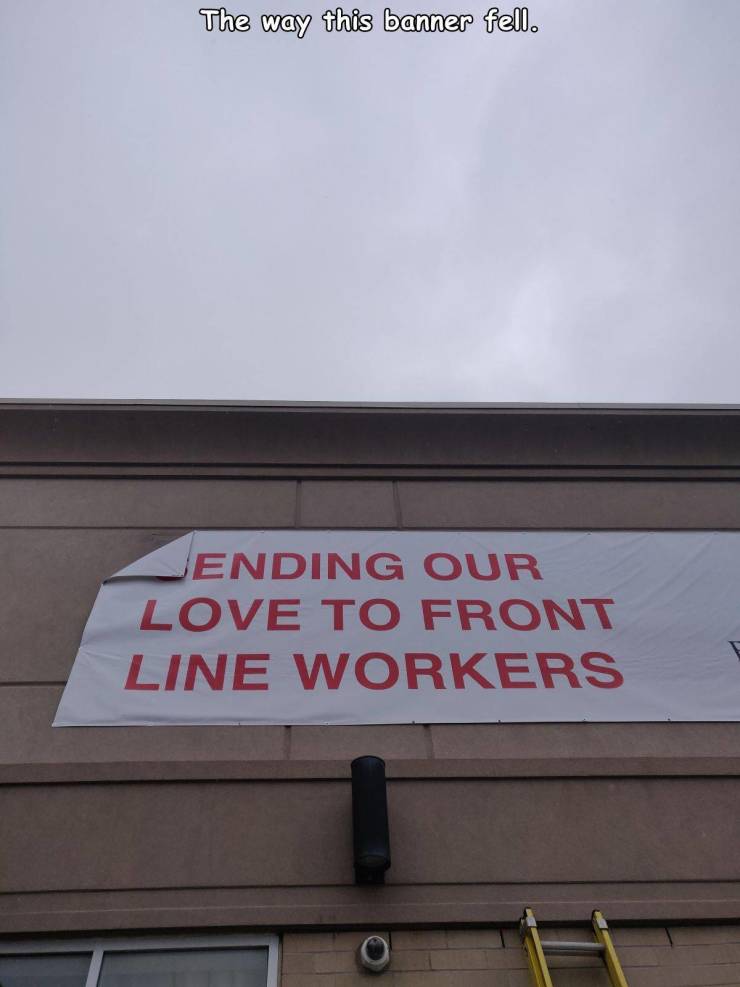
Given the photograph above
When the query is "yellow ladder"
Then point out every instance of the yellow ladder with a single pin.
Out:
(537, 948)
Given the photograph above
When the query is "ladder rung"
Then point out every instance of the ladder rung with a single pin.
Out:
(566, 948)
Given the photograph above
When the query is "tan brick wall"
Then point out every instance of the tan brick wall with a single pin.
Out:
(680, 956)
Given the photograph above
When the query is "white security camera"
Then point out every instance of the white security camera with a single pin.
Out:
(375, 954)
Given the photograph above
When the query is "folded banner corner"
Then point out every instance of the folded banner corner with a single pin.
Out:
(170, 561)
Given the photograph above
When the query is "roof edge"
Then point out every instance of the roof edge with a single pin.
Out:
(446, 406)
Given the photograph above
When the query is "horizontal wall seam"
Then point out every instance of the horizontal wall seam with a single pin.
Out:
(279, 772)
(329, 471)
(396, 889)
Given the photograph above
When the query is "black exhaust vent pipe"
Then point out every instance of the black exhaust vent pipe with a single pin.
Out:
(370, 820)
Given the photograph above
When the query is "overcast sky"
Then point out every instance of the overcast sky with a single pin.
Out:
(552, 216)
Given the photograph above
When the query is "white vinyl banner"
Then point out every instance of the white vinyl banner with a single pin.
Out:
(289, 627)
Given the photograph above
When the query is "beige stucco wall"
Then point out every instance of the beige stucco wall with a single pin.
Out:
(224, 827)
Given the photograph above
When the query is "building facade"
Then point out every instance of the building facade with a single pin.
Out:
(134, 853)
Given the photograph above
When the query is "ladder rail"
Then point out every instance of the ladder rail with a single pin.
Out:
(535, 952)
(603, 936)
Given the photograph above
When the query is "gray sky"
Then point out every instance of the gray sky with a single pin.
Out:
(532, 217)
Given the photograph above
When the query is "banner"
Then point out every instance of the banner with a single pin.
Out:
(289, 627)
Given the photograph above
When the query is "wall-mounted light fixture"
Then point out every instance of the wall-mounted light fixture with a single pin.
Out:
(370, 820)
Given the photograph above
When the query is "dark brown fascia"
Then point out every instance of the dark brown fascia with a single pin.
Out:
(367, 439)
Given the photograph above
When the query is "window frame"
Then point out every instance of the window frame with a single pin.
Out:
(98, 947)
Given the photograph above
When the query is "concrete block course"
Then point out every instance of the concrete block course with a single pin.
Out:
(338, 961)
(692, 935)
(307, 942)
(405, 960)
(474, 938)
(352, 940)
(458, 959)
(485, 957)
(303, 962)
(422, 939)
(627, 937)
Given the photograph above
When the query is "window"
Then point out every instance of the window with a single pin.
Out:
(204, 961)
